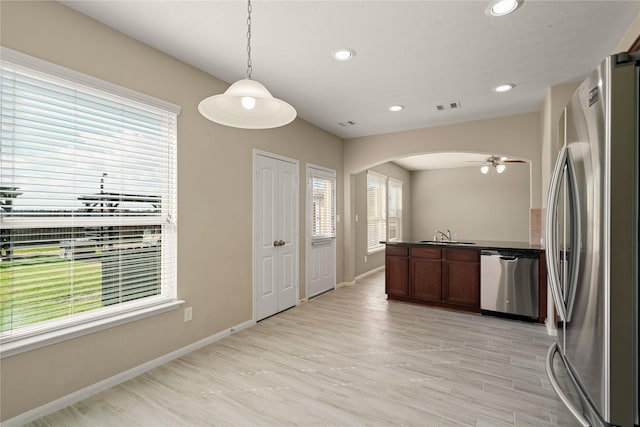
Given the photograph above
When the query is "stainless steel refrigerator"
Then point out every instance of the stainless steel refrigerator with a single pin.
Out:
(592, 248)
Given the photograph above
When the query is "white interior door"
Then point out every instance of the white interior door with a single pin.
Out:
(321, 230)
(275, 234)
(287, 234)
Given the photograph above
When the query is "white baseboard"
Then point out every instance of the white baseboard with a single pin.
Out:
(353, 282)
(105, 384)
(343, 284)
(370, 272)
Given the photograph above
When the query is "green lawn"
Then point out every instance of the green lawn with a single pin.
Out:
(28, 296)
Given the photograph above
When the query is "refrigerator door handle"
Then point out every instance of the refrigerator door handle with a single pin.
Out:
(556, 387)
(576, 241)
(551, 235)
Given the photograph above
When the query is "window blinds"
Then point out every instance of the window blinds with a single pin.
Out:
(376, 210)
(87, 198)
(395, 209)
(324, 207)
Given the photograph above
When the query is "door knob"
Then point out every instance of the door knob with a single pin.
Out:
(276, 243)
(281, 243)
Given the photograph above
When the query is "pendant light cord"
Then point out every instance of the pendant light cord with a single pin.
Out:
(249, 66)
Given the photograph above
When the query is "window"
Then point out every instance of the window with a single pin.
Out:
(376, 211)
(395, 210)
(87, 199)
(323, 215)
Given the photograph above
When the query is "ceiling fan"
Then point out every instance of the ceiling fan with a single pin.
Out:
(497, 162)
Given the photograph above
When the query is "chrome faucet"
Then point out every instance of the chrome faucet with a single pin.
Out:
(444, 236)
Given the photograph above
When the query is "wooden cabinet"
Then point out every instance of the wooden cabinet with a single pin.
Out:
(397, 271)
(426, 274)
(445, 277)
(461, 277)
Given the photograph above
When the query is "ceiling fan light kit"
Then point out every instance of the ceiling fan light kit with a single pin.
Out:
(247, 104)
(498, 163)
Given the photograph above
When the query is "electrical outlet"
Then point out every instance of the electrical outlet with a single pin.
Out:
(188, 314)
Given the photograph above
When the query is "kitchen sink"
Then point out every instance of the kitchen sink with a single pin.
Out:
(446, 242)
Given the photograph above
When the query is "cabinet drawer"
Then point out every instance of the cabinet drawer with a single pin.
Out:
(462, 255)
(397, 250)
(433, 253)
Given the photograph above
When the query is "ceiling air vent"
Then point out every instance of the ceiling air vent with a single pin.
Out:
(449, 106)
(347, 123)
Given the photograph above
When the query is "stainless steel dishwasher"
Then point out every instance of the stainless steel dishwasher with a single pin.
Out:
(509, 283)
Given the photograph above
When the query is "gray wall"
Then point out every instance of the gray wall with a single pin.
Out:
(472, 205)
(376, 259)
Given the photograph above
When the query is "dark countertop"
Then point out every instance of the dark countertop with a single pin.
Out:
(476, 244)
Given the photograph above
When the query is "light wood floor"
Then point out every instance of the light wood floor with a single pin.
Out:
(346, 358)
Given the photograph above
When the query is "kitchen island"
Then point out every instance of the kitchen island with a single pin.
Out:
(447, 274)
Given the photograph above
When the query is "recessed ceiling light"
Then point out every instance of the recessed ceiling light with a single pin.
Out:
(503, 7)
(344, 55)
(396, 108)
(504, 88)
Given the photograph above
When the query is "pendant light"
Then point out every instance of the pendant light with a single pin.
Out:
(247, 104)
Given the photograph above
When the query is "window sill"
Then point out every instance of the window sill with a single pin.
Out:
(46, 338)
(376, 250)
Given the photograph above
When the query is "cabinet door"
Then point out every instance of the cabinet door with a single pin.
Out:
(426, 279)
(397, 270)
(397, 275)
(461, 284)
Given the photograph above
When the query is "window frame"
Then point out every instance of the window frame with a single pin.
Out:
(60, 329)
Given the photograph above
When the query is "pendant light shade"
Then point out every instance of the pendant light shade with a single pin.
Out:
(247, 104)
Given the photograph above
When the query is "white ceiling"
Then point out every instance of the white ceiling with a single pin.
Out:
(415, 53)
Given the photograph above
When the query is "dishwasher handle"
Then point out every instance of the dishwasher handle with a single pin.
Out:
(486, 252)
(509, 255)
